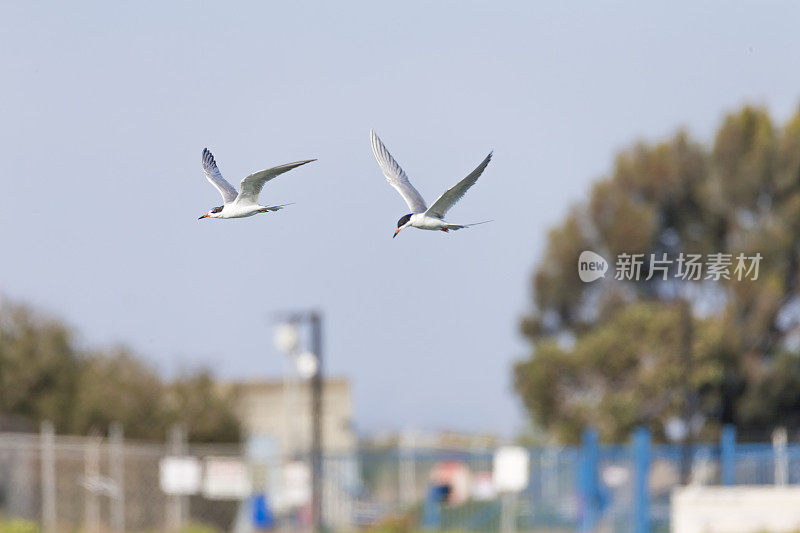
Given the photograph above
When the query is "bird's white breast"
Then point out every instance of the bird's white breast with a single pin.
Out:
(421, 221)
(234, 210)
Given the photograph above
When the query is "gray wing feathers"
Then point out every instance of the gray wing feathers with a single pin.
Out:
(454, 194)
(215, 177)
(395, 175)
(251, 185)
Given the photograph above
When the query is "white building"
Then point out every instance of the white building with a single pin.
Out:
(277, 415)
(276, 426)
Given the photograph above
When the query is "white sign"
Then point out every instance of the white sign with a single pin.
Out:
(179, 475)
(296, 484)
(226, 478)
(510, 469)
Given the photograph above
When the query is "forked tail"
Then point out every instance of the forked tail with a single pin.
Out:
(277, 207)
(455, 227)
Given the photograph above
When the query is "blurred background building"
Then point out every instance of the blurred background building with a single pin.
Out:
(277, 415)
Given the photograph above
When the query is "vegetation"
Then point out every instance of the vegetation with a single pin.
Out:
(18, 525)
(615, 352)
(45, 376)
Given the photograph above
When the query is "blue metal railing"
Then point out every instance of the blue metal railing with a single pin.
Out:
(618, 487)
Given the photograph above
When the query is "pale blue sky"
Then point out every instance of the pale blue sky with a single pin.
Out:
(106, 107)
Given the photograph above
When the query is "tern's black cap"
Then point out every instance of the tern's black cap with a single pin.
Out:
(403, 220)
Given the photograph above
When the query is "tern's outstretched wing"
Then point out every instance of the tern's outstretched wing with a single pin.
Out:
(252, 184)
(215, 177)
(454, 194)
(395, 175)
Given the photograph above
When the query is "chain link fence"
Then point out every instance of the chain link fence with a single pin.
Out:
(93, 484)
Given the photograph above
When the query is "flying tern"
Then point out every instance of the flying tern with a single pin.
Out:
(245, 202)
(421, 216)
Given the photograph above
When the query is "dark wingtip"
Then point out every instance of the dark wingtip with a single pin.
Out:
(208, 157)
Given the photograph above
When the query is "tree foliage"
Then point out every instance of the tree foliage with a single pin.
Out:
(608, 353)
(39, 367)
(45, 376)
(196, 399)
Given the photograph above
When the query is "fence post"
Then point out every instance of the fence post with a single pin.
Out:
(728, 455)
(588, 481)
(91, 475)
(117, 469)
(48, 461)
(780, 439)
(176, 505)
(509, 502)
(641, 486)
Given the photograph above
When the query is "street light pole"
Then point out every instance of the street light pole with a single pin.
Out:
(314, 368)
(316, 422)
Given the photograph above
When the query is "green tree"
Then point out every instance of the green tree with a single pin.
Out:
(609, 353)
(115, 386)
(44, 376)
(39, 367)
(197, 401)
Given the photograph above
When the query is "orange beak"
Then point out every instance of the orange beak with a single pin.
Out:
(396, 232)
(202, 217)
